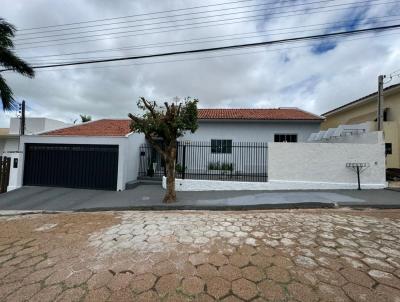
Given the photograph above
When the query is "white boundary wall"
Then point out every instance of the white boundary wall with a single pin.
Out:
(307, 166)
(326, 163)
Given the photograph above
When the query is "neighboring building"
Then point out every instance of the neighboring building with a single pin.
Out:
(9, 137)
(365, 110)
(255, 125)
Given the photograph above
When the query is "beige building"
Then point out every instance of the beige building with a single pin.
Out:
(365, 110)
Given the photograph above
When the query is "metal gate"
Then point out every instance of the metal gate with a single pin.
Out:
(5, 163)
(72, 166)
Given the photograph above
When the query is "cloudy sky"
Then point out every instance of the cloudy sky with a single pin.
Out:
(314, 75)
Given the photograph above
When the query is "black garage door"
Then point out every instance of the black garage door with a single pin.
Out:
(72, 166)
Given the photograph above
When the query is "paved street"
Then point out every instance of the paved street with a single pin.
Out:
(150, 197)
(291, 255)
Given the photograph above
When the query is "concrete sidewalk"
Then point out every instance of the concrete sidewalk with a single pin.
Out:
(150, 197)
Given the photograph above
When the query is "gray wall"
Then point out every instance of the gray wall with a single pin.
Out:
(35, 125)
(251, 131)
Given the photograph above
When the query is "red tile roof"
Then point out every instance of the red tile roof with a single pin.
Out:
(257, 114)
(105, 127)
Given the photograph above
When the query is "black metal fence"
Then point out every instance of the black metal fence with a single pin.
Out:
(216, 160)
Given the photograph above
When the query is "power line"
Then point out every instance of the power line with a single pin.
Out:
(202, 40)
(137, 15)
(188, 19)
(175, 28)
(213, 49)
(201, 58)
(171, 16)
(38, 58)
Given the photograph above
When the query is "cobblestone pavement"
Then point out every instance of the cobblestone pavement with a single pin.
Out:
(296, 255)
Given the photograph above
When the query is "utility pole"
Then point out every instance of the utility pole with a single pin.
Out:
(380, 103)
(22, 121)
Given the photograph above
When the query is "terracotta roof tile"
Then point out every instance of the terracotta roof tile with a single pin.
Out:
(257, 114)
(105, 127)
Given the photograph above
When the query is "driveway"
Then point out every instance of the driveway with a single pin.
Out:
(324, 255)
(150, 196)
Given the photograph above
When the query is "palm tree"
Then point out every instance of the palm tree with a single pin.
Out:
(10, 61)
(85, 118)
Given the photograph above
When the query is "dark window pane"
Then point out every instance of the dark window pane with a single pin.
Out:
(287, 138)
(388, 148)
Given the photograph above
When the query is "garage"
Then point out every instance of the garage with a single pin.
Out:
(71, 165)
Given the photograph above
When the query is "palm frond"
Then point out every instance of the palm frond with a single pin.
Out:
(7, 32)
(10, 61)
(6, 96)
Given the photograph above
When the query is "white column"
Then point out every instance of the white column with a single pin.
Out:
(16, 170)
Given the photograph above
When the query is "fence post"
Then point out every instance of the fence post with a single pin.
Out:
(183, 160)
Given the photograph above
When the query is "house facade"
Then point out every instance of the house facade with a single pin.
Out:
(365, 110)
(106, 154)
(255, 125)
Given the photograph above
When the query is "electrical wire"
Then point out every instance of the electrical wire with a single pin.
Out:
(137, 15)
(171, 16)
(238, 46)
(175, 28)
(41, 58)
(207, 57)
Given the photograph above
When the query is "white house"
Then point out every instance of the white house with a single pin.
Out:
(105, 154)
(267, 148)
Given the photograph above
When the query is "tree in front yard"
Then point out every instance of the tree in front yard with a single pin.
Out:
(162, 126)
(10, 61)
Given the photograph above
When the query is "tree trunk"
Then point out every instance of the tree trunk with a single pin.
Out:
(170, 195)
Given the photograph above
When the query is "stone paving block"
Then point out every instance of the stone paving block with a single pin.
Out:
(271, 290)
(8, 288)
(386, 293)
(357, 277)
(217, 259)
(239, 260)
(207, 271)
(244, 289)
(47, 294)
(99, 280)
(71, 295)
(332, 293)
(77, 278)
(98, 295)
(168, 284)
(277, 274)
(385, 278)
(192, 286)
(143, 282)
(360, 293)
(230, 272)
(218, 287)
(302, 292)
(253, 273)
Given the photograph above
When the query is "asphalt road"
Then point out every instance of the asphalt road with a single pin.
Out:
(150, 196)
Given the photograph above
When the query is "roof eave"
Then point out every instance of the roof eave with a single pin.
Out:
(259, 120)
(364, 99)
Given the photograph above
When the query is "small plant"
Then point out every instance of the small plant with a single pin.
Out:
(213, 166)
(220, 166)
(179, 168)
(227, 166)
